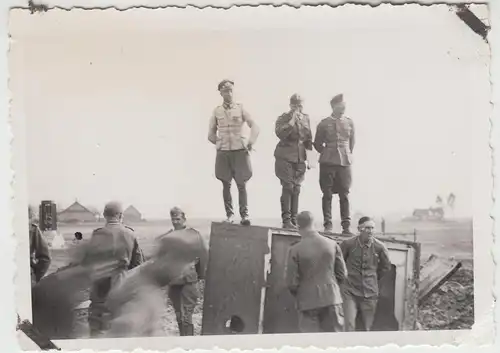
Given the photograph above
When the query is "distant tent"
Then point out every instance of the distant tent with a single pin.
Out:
(76, 213)
(132, 214)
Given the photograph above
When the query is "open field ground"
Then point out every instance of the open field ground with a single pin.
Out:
(442, 310)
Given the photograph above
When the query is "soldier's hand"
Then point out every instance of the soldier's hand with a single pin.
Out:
(249, 147)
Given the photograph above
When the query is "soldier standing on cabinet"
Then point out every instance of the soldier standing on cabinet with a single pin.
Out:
(334, 141)
(294, 131)
(233, 150)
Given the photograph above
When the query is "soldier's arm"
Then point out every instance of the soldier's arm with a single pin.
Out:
(340, 267)
(201, 265)
(352, 140)
(42, 254)
(284, 126)
(319, 139)
(384, 264)
(292, 273)
(308, 143)
(212, 129)
(344, 247)
(137, 257)
(254, 128)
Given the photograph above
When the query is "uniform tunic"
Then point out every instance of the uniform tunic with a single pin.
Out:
(290, 152)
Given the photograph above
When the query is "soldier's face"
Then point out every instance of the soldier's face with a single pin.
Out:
(227, 95)
(338, 108)
(366, 229)
(178, 221)
(296, 107)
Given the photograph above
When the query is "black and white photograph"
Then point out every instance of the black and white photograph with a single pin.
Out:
(252, 177)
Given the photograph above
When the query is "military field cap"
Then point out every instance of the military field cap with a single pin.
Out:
(177, 211)
(339, 98)
(113, 208)
(225, 84)
(296, 99)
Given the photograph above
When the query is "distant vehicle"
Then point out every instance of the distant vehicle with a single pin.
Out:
(431, 213)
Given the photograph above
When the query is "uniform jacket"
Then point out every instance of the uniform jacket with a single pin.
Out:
(294, 139)
(225, 128)
(198, 269)
(39, 254)
(112, 250)
(366, 264)
(334, 140)
(314, 269)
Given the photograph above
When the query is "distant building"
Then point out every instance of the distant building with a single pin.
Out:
(131, 214)
(76, 213)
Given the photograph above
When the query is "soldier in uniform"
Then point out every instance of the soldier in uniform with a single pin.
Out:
(334, 141)
(39, 251)
(183, 291)
(294, 131)
(233, 150)
(367, 261)
(112, 250)
(315, 268)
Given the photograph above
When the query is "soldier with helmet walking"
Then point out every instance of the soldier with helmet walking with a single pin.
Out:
(233, 149)
(294, 131)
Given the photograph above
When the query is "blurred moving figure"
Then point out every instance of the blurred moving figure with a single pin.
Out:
(114, 250)
(183, 291)
(133, 305)
(39, 251)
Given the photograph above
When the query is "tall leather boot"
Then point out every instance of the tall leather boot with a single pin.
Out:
(228, 201)
(327, 211)
(181, 328)
(294, 209)
(286, 204)
(188, 330)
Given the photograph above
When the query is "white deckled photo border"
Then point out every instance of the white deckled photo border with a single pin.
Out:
(15, 241)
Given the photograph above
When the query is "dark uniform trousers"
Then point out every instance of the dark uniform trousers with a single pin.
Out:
(291, 176)
(335, 179)
(184, 298)
(326, 319)
(235, 165)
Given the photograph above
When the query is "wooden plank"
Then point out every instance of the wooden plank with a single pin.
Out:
(235, 278)
(280, 315)
(434, 273)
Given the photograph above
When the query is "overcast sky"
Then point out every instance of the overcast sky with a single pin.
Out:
(116, 104)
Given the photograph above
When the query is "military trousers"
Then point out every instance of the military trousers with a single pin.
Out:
(353, 305)
(326, 319)
(291, 176)
(335, 179)
(235, 165)
(184, 298)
